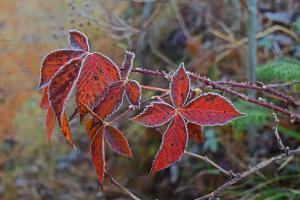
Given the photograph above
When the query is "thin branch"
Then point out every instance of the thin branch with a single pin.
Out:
(275, 85)
(263, 88)
(206, 159)
(278, 139)
(117, 184)
(293, 116)
(247, 173)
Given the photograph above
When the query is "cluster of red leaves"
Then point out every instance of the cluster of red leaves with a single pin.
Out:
(209, 109)
(100, 87)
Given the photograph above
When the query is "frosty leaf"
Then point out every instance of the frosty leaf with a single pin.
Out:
(96, 74)
(180, 86)
(50, 123)
(209, 110)
(54, 61)
(78, 40)
(44, 103)
(65, 129)
(111, 101)
(133, 93)
(117, 141)
(172, 147)
(156, 114)
(61, 85)
(98, 154)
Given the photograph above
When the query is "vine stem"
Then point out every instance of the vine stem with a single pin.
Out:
(117, 184)
(216, 85)
(154, 88)
(263, 88)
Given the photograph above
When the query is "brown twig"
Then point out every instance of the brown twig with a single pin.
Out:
(247, 173)
(206, 159)
(117, 184)
(262, 88)
(278, 139)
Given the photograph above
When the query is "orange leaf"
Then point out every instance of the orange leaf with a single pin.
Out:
(65, 129)
(98, 154)
(44, 102)
(50, 123)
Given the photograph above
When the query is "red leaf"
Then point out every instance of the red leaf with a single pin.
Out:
(62, 84)
(172, 147)
(98, 154)
(54, 61)
(91, 128)
(180, 86)
(209, 110)
(195, 132)
(117, 141)
(133, 93)
(50, 123)
(78, 40)
(156, 114)
(111, 101)
(127, 64)
(65, 129)
(97, 73)
(44, 103)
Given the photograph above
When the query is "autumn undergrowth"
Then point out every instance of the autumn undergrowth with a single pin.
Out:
(105, 94)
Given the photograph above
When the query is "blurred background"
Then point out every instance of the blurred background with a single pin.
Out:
(210, 36)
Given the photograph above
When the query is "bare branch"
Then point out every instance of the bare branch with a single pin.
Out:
(206, 159)
(278, 139)
(117, 184)
(247, 173)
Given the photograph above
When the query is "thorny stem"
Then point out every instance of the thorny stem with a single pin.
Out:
(263, 88)
(216, 85)
(117, 184)
(275, 85)
(154, 88)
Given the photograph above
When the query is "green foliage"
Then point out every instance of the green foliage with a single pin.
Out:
(279, 70)
(255, 116)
